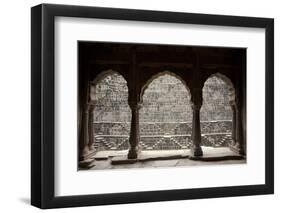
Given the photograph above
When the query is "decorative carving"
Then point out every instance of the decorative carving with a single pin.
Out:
(134, 130)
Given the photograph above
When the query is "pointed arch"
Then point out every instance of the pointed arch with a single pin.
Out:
(166, 114)
(112, 115)
(99, 78)
(166, 72)
(228, 81)
(216, 112)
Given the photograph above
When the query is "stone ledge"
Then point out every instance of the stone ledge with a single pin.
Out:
(124, 160)
(209, 154)
(218, 158)
(86, 164)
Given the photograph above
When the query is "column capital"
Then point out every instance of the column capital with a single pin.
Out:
(89, 106)
(237, 104)
(196, 98)
(92, 105)
(232, 104)
(196, 106)
(134, 105)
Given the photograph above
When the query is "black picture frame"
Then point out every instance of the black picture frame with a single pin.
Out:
(43, 105)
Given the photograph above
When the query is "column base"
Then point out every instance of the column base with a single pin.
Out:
(132, 154)
(86, 164)
(196, 151)
(85, 159)
(91, 148)
(241, 151)
(86, 154)
(237, 149)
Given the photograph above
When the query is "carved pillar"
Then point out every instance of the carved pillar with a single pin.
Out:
(196, 130)
(91, 127)
(84, 149)
(196, 100)
(87, 137)
(233, 122)
(239, 130)
(135, 131)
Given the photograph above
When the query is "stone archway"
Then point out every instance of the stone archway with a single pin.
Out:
(111, 114)
(218, 119)
(165, 115)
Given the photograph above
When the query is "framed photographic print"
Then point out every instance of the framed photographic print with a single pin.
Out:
(140, 106)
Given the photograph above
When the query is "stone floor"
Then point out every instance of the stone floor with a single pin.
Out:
(167, 158)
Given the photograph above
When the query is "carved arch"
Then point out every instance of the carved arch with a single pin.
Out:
(228, 81)
(99, 78)
(166, 72)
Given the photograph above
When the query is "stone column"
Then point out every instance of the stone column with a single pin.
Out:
(91, 127)
(239, 130)
(135, 131)
(84, 149)
(233, 122)
(196, 149)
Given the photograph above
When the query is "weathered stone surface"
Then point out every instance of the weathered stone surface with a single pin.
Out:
(165, 115)
(216, 98)
(112, 100)
(165, 100)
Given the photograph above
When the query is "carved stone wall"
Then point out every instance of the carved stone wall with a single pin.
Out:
(165, 115)
(166, 99)
(216, 98)
(112, 100)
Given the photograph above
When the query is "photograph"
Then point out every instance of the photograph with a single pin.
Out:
(160, 105)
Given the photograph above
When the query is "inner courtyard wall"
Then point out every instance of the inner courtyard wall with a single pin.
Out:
(165, 115)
